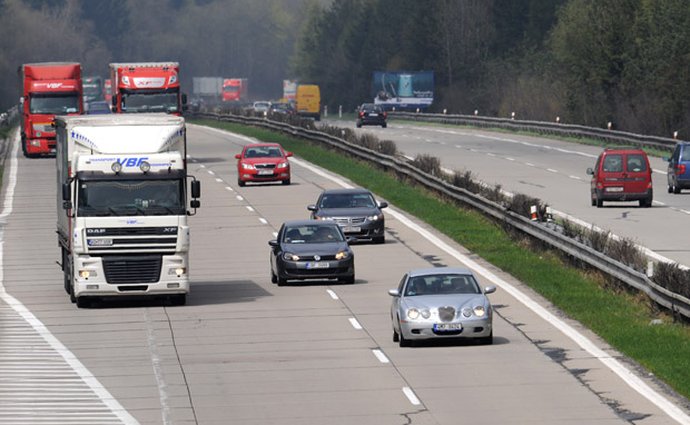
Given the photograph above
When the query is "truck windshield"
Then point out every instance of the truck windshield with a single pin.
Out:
(93, 91)
(131, 197)
(63, 103)
(149, 102)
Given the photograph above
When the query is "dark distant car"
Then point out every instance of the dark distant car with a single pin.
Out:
(678, 175)
(371, 114)
(282, 108)
(263, 162)
(310, 249)
(97, 107)
(355, 210)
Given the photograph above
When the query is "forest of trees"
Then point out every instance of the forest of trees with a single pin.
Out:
(586, 61)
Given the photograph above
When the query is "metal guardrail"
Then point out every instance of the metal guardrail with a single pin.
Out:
(545, 128)
(8, 117)
(674, 302)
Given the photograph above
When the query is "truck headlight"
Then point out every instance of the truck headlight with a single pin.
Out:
(86, 273)
(178, 271)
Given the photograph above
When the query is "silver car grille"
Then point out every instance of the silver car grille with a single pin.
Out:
(446, 314)
(346, 221)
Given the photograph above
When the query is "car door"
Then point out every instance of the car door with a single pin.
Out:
(672, 163)
(612, 174)
(636, 174)
(395, 305)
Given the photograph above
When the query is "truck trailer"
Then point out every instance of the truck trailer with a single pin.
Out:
(48, 89)
(122, 204)
(146, 87)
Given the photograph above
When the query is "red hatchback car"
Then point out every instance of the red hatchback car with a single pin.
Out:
(621, 175)
(263, 162)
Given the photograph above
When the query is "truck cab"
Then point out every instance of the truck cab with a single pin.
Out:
(146, 87)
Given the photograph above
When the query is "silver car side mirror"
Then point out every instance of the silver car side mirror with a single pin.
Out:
(490, 289)
(393, 293)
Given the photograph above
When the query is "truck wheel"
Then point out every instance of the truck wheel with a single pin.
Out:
(178, 299)
(83, 302)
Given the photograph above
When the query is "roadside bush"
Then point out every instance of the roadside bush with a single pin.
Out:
(625, 251)
(428, 164)
(673, 278)
(597, 240)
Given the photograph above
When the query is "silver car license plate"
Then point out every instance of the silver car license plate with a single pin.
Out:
(352, 229)
(318, 265)
(265, 172)
(445, 327)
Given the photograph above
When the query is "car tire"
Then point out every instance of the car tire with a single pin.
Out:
(599, 202)
(274, 278)
(240, 183)
(349, 280)
(646, 203)
(487, 340)
(669, 187)
(402, 341)
(593, 201)
(359, 125)
(384, 125)
(286, 182)
(396, 337)
(379, 240)
(676, 189)
(281, 281)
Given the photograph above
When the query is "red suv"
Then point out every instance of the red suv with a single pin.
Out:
(621, 175)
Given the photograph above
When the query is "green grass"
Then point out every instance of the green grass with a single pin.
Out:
(622, 319)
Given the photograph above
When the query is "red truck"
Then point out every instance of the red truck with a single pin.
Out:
(235, 89)
(146, 87)
(48, 89)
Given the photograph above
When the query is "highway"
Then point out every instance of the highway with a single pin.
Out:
(554, 171)
(246, 351)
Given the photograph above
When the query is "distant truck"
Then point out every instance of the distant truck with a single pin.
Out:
(235, 90)
(48, 89)
(93, 89)
(308, 101)
(122, 206)
(146, 87)
(208, 89)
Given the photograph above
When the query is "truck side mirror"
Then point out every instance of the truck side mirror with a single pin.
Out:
(184, 98)
(21, 100)
(114, 102)
(196, 189)
(66, 192)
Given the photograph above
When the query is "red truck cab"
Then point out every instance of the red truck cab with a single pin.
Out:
(48, 89)
(146, 87)
(235, 89)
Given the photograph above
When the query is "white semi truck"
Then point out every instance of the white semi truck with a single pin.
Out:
(122, 206)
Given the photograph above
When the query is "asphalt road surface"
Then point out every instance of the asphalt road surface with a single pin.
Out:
(244, 351)
(554, 171)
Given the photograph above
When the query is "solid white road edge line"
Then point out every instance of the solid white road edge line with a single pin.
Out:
(628, 377)
(332, 294)
(36, 324)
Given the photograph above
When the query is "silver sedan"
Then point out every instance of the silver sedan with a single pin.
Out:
(442, 302)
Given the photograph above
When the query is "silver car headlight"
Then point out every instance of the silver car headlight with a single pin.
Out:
(467, 312)
(288, 256)
(479, 311)
(413, 314)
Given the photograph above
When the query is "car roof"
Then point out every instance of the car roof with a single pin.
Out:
(309, 222)
(623, 150)
(345, 191)
(439, 270)
(262, 145)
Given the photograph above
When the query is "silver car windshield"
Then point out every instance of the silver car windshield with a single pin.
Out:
(313, 234)
(441, 284)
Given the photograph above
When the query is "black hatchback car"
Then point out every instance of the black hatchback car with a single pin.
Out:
(371, 114)
(355, 210)
(310, 249)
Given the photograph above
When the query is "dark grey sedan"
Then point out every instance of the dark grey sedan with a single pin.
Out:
(310, 249)
(355, 210)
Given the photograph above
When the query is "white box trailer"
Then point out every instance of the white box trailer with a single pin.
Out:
(122, 206)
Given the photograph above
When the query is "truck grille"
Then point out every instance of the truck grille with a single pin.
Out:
(131, 239)
(132, 268)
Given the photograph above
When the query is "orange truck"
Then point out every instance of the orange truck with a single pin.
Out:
(235, 90)
(48, 89)
(146, 87)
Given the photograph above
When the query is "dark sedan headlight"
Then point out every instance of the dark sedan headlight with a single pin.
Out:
(288, 256)
(375, 217)
(342, 255)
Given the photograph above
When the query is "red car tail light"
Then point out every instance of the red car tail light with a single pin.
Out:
(361, 114)
(680, 169)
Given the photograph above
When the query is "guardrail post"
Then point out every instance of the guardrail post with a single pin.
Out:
(340, 111)
(476, 112)
(325, 111)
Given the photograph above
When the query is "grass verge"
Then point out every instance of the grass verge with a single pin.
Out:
(621, 318)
